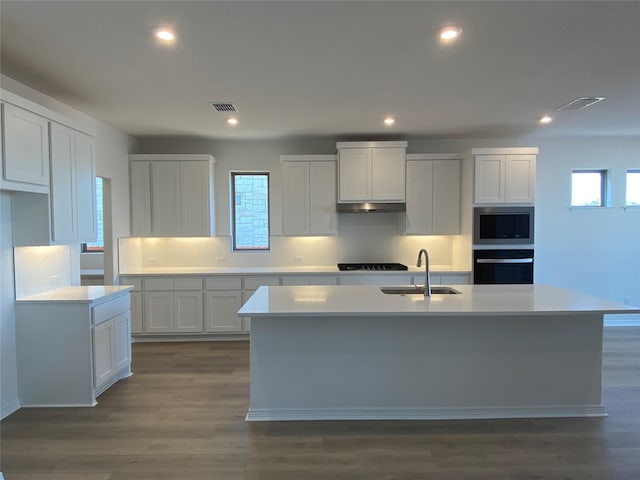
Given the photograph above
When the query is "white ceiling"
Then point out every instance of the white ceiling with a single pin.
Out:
(332, 68)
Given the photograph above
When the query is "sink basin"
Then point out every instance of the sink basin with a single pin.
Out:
(417, 290)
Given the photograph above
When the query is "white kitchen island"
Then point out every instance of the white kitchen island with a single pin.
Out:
(492, 351)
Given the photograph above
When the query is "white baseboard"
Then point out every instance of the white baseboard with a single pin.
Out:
(444, 413)
(137, 338)
(8, 409)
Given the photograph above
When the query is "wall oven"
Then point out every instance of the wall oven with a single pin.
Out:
(503, 225)
(506, 266)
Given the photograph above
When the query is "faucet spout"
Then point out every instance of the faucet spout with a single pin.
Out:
(427, 280)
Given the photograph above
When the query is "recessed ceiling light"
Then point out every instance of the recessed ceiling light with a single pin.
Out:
(546, 119)
(449, 33)
(389, 121)
(232, 121)
(164, 34)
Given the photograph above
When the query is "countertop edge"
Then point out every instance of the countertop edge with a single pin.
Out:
(95, 294)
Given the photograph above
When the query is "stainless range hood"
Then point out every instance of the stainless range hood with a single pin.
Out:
(370, 207)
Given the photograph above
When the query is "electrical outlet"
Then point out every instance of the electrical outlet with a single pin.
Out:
(627, 300)
(219, 260)
(297, 260)
(153, 260)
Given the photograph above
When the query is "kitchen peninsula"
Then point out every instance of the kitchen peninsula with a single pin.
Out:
(353, 352)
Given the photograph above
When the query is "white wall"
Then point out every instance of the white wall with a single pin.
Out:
(593, 251)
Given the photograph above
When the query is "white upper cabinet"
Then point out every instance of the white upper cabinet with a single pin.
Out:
(172, 195)
(73, 186)
(371, 171)
(68, 214)
(25, 150)
(505, 175)
(433, 195)
(308, 195)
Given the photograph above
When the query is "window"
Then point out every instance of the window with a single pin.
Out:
(98, 245)
(250, 210)
(588, 188)
(633, 188)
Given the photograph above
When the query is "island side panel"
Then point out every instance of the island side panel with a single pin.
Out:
(425, 367)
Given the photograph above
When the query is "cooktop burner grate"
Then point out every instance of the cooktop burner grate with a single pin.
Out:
(371, 266)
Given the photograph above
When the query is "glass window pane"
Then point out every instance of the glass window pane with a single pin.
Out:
(250, 211)
(633, 187)
(587, 188)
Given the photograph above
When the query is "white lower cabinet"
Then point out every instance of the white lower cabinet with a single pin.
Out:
(221, 309)
(136, 312)
(70, 351)
(209, 305)
(188, 314)
(173, 312)
(103, 353)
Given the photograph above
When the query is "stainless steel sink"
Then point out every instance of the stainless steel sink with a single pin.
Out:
(417, 290)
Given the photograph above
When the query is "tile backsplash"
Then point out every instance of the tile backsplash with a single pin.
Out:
(38, 269)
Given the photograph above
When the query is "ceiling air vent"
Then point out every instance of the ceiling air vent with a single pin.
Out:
(225, 107)
(579, 103)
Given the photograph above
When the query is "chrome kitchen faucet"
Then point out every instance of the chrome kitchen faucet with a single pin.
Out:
(427, 281)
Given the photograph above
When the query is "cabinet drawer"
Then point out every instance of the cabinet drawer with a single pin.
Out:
(187, 284)
(252, 283)
(158, 284)
(110, 309)
(373, 279)
(296, 280)
(136, 282)
(223, 283)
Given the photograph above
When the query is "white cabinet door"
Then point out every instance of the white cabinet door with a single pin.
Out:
(136, 312)
(140, 199)
(158, 312)
(388, 174)
(490, 178)
(419, 215)
(354, 175)
(103, 353)
(85, 178)
(188, 312)
(122, 341)
(446, 197)
(63, 194)
(433, 197)
(246, 321)
(165, 199)
(26, 150)
(222, 311)
(322, 198)
(194, 199)
(295, 198)
(520, 178)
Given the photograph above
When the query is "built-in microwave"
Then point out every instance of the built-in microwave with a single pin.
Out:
(503, 225)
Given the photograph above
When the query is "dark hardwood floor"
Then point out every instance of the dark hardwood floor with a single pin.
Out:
(181, 416)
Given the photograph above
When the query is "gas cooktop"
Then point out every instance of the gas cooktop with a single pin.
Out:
(371, 266)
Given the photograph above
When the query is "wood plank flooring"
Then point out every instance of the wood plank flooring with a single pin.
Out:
(181, 416)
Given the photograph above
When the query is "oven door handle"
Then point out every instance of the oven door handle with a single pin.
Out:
(504, 260)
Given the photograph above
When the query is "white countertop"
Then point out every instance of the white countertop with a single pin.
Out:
(76, 294)
(480, 300)
(285, 270)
